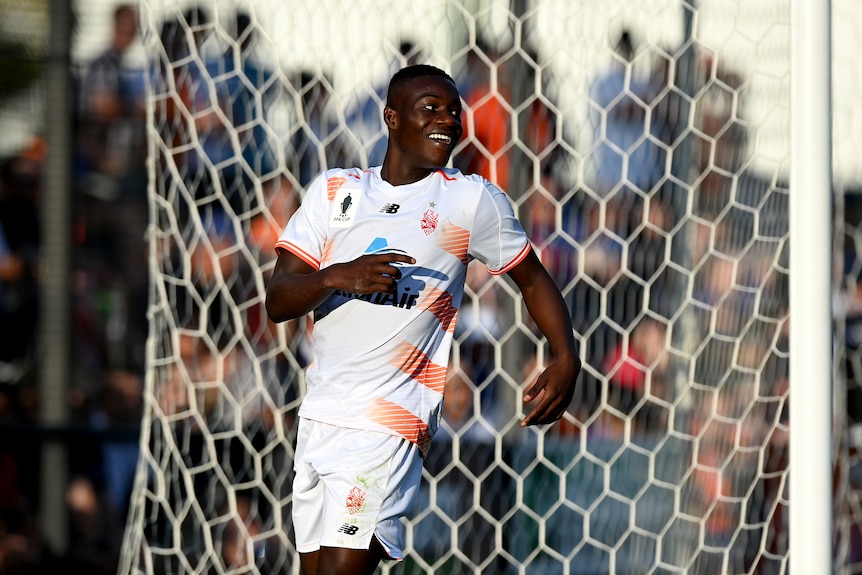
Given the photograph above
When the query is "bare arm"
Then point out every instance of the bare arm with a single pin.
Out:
(555, 387)
(296, 288)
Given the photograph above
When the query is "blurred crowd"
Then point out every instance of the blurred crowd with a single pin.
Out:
(236, 139)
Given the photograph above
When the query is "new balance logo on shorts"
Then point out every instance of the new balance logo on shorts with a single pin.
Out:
(390, 208)
(348, 529)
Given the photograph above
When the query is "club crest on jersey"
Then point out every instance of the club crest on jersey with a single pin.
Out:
(429, 221)
(344, 207)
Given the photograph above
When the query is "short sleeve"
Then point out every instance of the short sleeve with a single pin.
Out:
(497, 239)
(305, 233)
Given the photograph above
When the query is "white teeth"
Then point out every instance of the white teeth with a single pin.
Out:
(441, 137)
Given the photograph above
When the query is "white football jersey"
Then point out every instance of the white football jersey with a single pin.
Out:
(380, 360)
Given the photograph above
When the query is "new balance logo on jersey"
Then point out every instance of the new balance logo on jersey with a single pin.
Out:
(348, 529)
(390, 208)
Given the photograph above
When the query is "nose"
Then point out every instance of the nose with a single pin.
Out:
(445, 117)
(453, 122)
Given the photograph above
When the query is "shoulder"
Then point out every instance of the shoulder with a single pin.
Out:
(475, 195)
(341, 175)
(454, 176)
(472, 182)
(328, 182)
(352, 173)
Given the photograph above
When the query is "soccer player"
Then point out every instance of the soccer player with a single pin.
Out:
(380, 256)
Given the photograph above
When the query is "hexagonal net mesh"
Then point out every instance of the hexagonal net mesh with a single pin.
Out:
(644, 146)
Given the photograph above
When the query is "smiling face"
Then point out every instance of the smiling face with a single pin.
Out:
(424, 119)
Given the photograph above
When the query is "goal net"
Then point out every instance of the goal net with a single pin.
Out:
(644, 146)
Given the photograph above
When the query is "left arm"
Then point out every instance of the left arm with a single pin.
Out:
(555, 387)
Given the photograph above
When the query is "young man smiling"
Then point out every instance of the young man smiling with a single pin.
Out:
(380, 257)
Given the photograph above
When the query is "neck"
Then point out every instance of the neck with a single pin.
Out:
(396, 175)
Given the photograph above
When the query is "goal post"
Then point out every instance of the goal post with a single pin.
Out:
(646, 148)
(812, 337)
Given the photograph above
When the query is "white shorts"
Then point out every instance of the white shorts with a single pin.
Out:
(350, 485)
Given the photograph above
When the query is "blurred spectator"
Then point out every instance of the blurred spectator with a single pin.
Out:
(96, 533)
(111, 139)
(487, 120)
(12, 271)
(669, 109)
(734, 429)
(621, 116)
(364, 111)
(110, 268)
(721, 146)
(120, 407)
(22, 550)
(637, 369)
(20, 180)
(480, 323)
(467, 411)
(241, 540)
(183, 106)
(321, 141)
(223, 417)
(548, 233)
(280, 199)
(234, 134)
(546, 178)
(649, 255)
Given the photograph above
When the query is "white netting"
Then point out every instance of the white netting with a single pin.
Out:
(650, 171)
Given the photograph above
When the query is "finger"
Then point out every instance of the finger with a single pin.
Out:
(531, 419)
(535, 419)
(539, 415)
(535, 390)
(545, 412)
(393, 270)
(396, 258)
(388, 280)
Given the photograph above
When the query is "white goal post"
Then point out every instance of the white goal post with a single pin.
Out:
(811, 524)
(646, 148)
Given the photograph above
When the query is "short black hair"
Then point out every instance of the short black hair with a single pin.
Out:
(408, 73)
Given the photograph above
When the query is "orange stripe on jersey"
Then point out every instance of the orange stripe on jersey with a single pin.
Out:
(412, 361)
(439, 303)
(298, 252)
(401, 421)
(332, 186)
(326, 253)
(454, 240)
(446, 177)
(515, 261)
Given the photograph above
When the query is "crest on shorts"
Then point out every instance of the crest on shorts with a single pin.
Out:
(355, 500)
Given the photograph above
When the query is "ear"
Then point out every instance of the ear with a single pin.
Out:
(390, 117)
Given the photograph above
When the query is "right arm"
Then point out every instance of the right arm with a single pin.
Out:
(296, 288)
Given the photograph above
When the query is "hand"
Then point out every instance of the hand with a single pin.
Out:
(554, 390)
(296, 288)
(372, 273)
